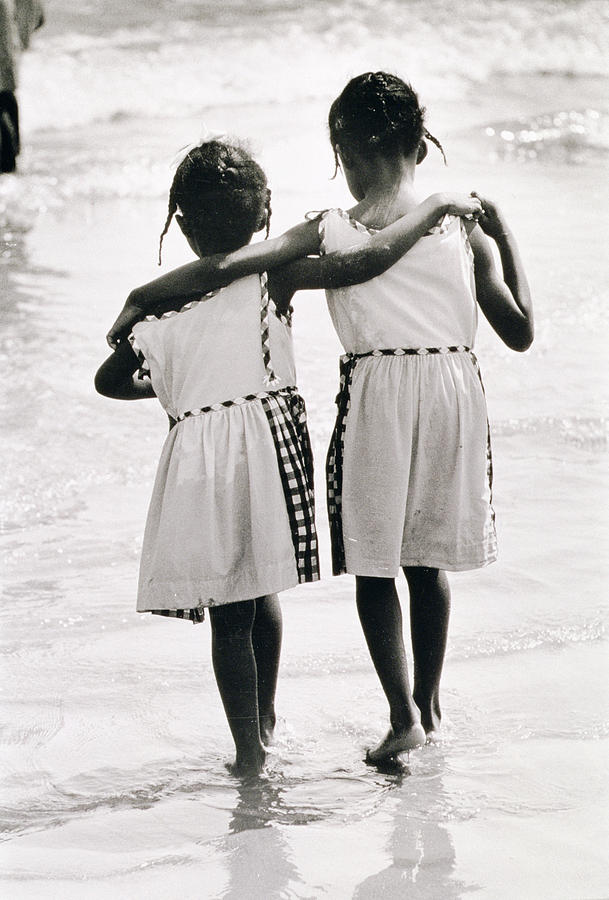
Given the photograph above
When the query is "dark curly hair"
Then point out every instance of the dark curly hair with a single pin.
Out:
(378, 113)
(222, 193)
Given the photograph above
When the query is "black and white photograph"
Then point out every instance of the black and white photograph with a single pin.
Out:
(321, 612)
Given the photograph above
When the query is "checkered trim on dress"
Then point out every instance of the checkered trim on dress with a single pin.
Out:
(334, 459)
(286, 414)
(195, 615)
(144, 369)
(270, 379)
(489, 453)
(224, 404)
(441, 228)
(334, 466)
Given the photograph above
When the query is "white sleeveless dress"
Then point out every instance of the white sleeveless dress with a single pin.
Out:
(231, 516)
(409, 468)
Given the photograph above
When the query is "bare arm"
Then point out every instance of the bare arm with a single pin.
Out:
(340, 269)
(505, 301)
(115, 377)
(370, 259)
(212, 272)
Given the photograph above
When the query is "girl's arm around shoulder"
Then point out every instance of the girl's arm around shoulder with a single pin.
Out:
(212, 272)
(375, 255)
(505, 301)
(114, 378)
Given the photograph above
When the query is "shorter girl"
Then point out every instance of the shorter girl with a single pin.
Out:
(231, 517)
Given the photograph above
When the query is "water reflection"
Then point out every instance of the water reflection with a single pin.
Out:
(259, 864)
(420, 846)
(571, 135)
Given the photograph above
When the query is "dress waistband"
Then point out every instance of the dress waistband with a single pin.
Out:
(238, 401)
(406, 351)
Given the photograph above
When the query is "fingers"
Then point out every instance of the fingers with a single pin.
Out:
(476, 208)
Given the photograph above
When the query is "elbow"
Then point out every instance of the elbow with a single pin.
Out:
(101, 385)
(522, 341)
(136, 298)
(106, 386)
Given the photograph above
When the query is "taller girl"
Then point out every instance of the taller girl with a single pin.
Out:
(409, 467)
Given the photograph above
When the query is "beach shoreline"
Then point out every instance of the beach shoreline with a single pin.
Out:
(112, 759)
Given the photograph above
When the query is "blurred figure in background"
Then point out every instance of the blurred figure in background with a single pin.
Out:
(18, 19)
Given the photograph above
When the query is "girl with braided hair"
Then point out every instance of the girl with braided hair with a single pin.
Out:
(231, 519)
(409, 466)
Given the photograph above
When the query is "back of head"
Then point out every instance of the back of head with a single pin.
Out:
(222, 194)
(378, 113)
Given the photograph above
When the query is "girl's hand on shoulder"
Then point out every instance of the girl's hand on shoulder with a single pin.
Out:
(491, 219)
(452, 204)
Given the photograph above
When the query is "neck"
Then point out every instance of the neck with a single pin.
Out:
(383, 175)
(384, 188)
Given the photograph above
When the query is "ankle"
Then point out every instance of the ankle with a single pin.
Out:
(267, 727)
(405, 719)
(431, 713)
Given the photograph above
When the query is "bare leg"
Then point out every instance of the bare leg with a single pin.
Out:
(235, 669)
(429, 615)
(380, 615)
(266, 640)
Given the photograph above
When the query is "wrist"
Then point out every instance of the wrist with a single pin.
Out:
(435, 207)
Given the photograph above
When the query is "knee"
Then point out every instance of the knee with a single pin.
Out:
(232, 622)
(421, 576)
(373, 592)
(372, 584)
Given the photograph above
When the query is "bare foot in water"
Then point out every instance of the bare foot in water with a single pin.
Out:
(396, 742)
(245, 768)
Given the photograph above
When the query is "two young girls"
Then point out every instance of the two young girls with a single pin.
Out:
(409, 466)
(231, 518)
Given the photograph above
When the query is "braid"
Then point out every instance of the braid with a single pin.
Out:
(435, 141)
(172, 208)
(222, 193)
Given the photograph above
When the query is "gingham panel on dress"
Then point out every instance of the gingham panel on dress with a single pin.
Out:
(195, 615)
(286, 414)
(334, 466)
(334, 459)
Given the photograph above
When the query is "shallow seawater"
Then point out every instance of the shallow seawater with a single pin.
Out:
(113, 747)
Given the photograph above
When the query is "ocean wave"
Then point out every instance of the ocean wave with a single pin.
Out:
(528, 638)
(143, 61)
